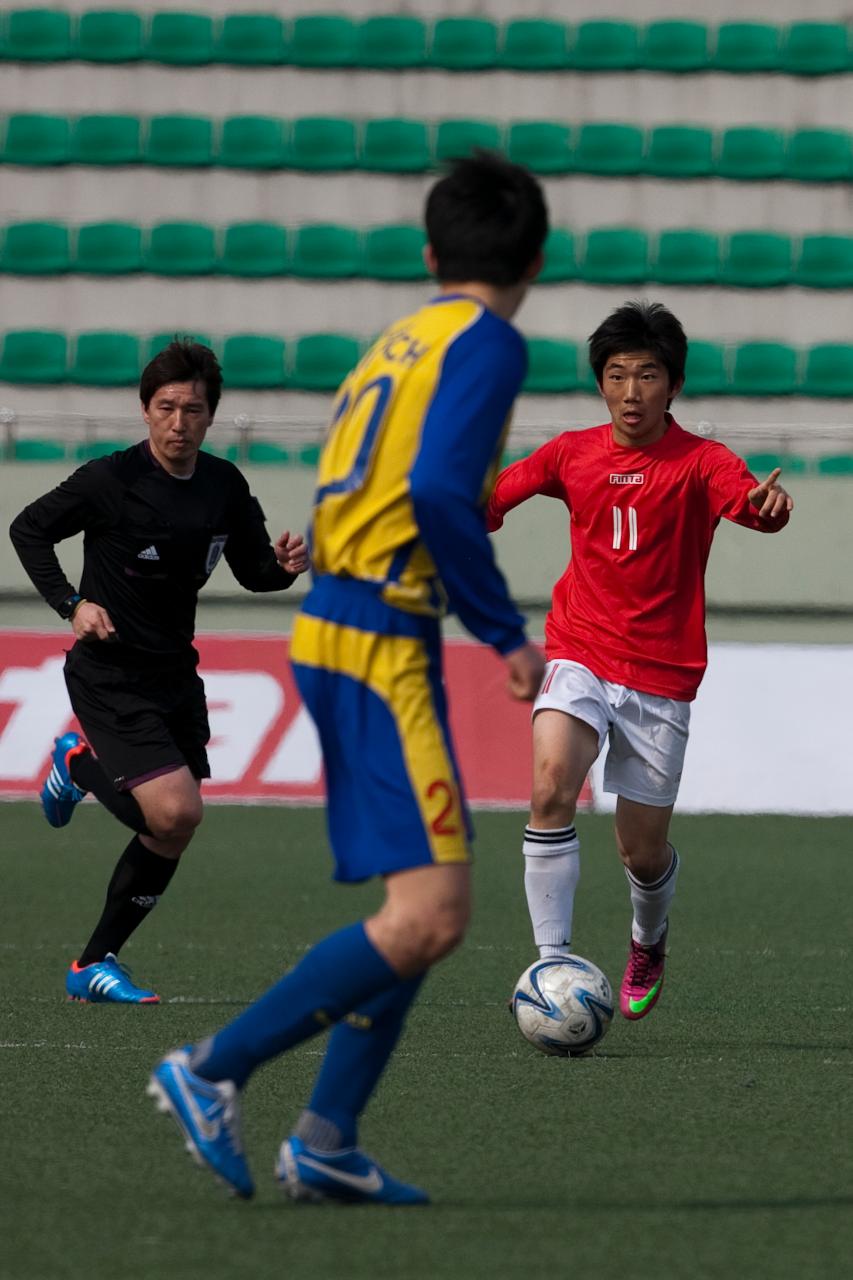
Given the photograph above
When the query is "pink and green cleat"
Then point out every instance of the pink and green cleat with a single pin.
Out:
(642, 981)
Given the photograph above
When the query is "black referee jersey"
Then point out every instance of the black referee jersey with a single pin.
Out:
(151, 541)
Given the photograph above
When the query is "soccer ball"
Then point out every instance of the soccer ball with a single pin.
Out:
(563, 1005)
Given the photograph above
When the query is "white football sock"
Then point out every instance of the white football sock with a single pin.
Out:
(651, 903)
(552, 868)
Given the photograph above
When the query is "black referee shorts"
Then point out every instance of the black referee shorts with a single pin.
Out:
(140, 721)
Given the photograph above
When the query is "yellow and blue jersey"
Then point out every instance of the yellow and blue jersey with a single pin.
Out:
(410, 461)
(399, 537)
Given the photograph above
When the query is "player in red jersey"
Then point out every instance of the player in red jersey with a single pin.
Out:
(625, 637)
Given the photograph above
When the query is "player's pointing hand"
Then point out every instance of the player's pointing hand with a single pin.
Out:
(292, 553)
(770, 498)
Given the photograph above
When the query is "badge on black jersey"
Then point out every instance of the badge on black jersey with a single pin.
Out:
(214, 552)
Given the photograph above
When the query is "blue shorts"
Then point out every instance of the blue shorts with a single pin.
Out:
(370, 676)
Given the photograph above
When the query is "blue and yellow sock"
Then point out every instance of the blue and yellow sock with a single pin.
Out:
(340, 973)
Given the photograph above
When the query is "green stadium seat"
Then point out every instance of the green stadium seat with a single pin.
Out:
(675, 46)
(252, 142)
(615, 255)
(180, 39)
(322, 40)
(33, 355)
(825, 262)
(464, 44)
(609, 148)
(836, 464)
(158, 341)
(106, 359)
(395, 252)
(322, 142)
(552, 366)
(308, 455)
(267, 453)
(255, 249)
(179, 141)
(751, 154)
(764, 369)
(544, 146)
(456, 138)
(37, 35)
(249, 360)
(98, 449)
(819, 155)
(395, 145)
(534, 44)
(829, 370)
(181, 249)
(396, 42)
(757, 259)
(106, 139)
(560, 260)
(761, 464)
(606, 46)
(39, 450)
(37, 139)
(705, 373)
(322, 361)
(687, 256)
(680, 151)
(326, 250)
(251, 39)
(36, 249)
(105, 35)
(108, 248)
(815, 49)
(747, 46)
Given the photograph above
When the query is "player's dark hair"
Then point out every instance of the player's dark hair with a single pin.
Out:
(640, 326)
(486, 220)
(183, 361)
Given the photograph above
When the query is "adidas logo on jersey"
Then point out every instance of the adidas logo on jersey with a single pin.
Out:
(627, 477)
(150, 553)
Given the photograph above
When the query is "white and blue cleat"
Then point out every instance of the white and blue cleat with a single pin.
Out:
(105, 982)
(208, 1114)
(59, 795)
(348, 1176)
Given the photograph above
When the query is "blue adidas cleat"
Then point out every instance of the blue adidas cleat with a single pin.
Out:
(208, 1114)
(348, 1175)
(59, 796)
(105, 982)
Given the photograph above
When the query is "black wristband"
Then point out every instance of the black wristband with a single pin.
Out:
(69, 604)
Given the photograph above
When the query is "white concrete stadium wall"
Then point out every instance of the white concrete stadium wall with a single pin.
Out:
(798, 568)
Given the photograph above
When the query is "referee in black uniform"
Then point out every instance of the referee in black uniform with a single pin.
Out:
(156, 518)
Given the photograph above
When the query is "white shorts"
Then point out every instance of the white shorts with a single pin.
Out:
(647, 733)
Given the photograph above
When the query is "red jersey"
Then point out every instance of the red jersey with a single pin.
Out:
(631, 604)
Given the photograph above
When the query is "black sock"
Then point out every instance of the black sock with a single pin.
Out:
(89, 774)
(137, 882)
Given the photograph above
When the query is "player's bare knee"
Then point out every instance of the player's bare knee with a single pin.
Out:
(646, 859)
(434, 933)
(554, 799)
(175, 820)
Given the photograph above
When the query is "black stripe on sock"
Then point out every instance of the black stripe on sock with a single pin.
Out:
(657, 884)
(560, 836)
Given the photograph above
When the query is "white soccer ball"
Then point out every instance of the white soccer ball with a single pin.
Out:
(563, 1006)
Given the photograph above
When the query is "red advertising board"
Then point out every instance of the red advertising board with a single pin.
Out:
(263, 744)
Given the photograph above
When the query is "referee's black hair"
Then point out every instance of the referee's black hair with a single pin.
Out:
(640, 326)
(486, 220)
(183, 361)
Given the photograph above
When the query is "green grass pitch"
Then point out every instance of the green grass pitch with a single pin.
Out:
(713, 1139)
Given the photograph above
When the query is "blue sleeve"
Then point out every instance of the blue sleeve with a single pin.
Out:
(482, 373)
